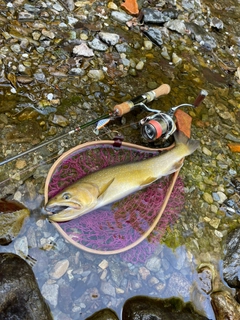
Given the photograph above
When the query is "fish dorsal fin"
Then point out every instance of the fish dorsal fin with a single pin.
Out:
(105, 187)
(148, 181)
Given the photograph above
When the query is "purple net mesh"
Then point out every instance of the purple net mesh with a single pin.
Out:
(120, 224)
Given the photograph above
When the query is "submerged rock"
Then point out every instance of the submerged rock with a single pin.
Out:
(20, 296)
(225, 306)
(144, 308)
(158, 17)
(231, 260)
(105, 314)
(155, 35)
(12, 217)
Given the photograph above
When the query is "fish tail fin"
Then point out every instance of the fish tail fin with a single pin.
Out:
(181, 138)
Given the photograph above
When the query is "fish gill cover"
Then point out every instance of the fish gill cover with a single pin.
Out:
(122, 223)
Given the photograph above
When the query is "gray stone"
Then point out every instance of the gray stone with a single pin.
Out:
(145, 308)
(231, 260)
(50, 293)
(120, 16)
(98, 45)
(176, 25)
(155, 35)
(108, 289)
(109, 38)
(20, 296)
(104, 314)
(153, 264)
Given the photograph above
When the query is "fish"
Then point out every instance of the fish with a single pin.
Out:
(113, 183)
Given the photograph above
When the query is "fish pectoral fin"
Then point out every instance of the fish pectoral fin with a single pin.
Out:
(148, 181)
(105, 187)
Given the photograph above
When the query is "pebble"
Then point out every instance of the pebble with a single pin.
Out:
(208, 198)
(21, 246)
(96, 75)
(206, 151)
(153, 264)
(176, 59)
(59, 269)
(140, 65)
(148, 45)
(120, 16)
(83, 50)
(110, 39)
(50, 293)
(215, 222)
(176, 25)
(48, 34)
(104, 264)
(96, 44)
(108, 289)
(20, 164)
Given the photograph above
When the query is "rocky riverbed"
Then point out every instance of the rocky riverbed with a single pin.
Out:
(65, 63)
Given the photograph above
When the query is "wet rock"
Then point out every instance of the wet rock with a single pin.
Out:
(153, 264)
(50, 293)
(154, 34)
(178, 285)
(120, 16)
(205, 279)
(191, 5)
(145, 308)
(225, 306)
(176, 59)
(110, 39)
(12, 217)
(58, 120)
(231, 260)
(59, 269)
(96, 75)
(216, 23)
(98, 45)
(123, 47)
(104, 314)
(176, 25)
(158, 17)
(20, 296)
(108, 289)
(21, 246)
(83, 50)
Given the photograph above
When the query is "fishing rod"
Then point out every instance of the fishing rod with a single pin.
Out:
(77, 129)
(101, 121)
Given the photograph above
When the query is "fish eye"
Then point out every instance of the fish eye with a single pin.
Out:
(66, 196)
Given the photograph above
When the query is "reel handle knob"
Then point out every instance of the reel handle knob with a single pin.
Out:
(127, 106)
(200, 98)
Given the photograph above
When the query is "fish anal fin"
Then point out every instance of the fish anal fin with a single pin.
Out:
(148, 181)
(105, 187)
(176, 166)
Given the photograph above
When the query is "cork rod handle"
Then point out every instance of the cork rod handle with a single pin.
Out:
(127, 106)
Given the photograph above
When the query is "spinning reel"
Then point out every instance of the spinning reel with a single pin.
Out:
(159, 124)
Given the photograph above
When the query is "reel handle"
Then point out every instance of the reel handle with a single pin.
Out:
(200, 98)
(127, 106)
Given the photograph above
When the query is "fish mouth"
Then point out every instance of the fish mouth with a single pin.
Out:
(56, 209)
(62, 212)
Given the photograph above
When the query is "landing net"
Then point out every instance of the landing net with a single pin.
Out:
(123, 222)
